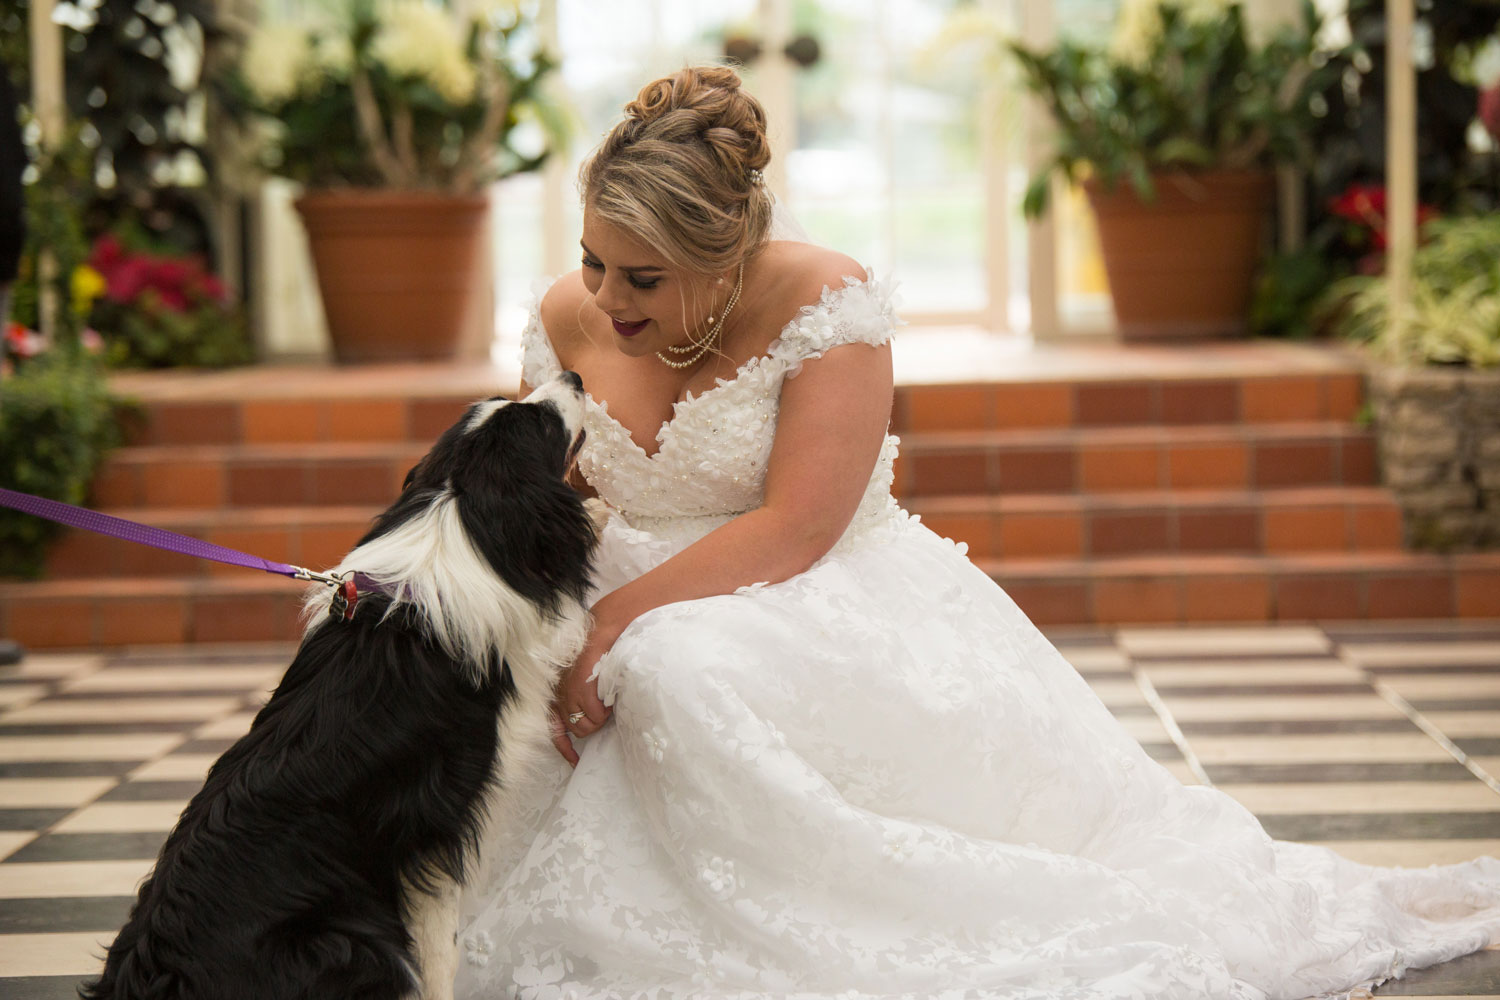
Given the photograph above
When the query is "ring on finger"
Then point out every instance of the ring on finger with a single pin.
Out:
(576, 718)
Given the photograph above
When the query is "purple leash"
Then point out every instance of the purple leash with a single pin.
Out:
(346, 587)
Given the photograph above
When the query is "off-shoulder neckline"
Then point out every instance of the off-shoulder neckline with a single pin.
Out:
(772, 353)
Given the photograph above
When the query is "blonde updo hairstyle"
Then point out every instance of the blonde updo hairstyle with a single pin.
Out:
(676, 174)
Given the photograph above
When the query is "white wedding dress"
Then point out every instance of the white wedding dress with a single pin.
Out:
(878, 779)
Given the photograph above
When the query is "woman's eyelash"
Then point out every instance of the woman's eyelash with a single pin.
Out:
(594, 265)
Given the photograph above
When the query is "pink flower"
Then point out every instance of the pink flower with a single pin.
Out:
(23, 343)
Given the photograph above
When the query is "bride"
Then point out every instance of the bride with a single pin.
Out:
(817, 753)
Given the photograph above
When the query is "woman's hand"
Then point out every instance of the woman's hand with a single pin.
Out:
(578, 691)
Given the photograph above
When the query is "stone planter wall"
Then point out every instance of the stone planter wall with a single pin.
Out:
(1438, 432)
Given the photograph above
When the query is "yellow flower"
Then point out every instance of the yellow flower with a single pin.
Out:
(416, 40)
(275, 62)
(1139, 24)
(87, 285)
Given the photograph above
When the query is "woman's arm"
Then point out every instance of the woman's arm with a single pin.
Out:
(831, 424)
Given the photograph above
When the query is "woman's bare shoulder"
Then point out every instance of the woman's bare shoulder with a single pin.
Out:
(805, 269)
(562, 311)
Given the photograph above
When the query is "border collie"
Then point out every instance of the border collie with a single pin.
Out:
(323, 857)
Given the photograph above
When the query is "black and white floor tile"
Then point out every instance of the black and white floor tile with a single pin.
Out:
(1380, 741)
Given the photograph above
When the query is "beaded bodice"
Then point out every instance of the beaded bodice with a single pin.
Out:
(711, 463)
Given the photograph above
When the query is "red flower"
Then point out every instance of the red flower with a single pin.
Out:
(106, 254)
(23, 343)
(1364, 205)
(1489, 110)
(177, 283)
(125, 280)
(212, 288)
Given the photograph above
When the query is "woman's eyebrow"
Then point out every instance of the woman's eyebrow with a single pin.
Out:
(632, 270)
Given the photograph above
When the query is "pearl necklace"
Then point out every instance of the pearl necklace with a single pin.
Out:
(700, 347)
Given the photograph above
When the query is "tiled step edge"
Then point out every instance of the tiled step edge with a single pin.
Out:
(251, 607)
(1112, 460)
(1188, 589)
(283, 405)
(1126, 400)
(210, 476)
(1201, 589)
(1100, 460)
(1317, 519)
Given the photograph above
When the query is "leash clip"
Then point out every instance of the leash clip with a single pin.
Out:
(345, 593)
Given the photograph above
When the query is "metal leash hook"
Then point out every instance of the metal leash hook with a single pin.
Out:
(345, 593)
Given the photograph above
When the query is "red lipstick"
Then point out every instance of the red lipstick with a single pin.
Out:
(628, 329)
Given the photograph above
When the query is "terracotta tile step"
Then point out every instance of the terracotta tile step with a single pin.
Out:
(1132, 400)
(323, 474)
(1189, 521)
(1113, 460)
(295, 420)
(269, 404)
(255, 607)
(1197, 589)
(316, 537)
(128, 611)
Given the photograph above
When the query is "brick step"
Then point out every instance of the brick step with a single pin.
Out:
(1090, 460)
(1129, 459)
(1189, 521)
(294, 420)
(131, 611)
(272, 475)
(256, 607)
(316, 537)
(1133, 400)
(279, 405)
(1206, 588)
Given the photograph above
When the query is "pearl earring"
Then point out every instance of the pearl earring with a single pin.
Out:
(720, 282)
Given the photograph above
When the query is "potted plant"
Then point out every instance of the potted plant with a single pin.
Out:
(1191, 112)
(1434, 387)
(1343, 229)
(58, 419)
(395, 118)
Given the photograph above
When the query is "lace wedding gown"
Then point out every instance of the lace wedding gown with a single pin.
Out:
(878, 779)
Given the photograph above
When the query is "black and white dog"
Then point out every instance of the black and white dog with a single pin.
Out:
(323, 857)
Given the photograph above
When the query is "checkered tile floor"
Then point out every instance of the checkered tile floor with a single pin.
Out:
(1346, 736)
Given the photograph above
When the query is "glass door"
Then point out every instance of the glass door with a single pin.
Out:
(875, 155)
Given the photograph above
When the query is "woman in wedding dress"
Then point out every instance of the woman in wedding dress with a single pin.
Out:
(818, 753)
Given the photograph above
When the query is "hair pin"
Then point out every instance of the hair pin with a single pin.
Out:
(756, 177)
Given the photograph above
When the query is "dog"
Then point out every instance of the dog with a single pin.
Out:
(324, 855)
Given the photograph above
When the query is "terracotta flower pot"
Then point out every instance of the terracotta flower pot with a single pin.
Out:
(397, 269)
(1182, 266)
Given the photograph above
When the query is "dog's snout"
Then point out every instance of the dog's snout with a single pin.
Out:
(573, 379)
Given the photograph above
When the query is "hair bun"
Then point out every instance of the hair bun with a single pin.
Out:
(682, 171)
(688, 88)
(706, 102)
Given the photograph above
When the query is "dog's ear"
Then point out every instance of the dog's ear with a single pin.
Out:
(527, 522)
(537, 536)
